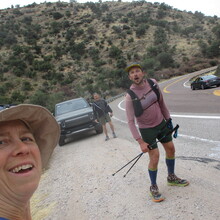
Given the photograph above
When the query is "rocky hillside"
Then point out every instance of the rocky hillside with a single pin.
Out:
(56, 51)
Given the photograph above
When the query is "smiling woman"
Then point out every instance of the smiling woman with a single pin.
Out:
(28, 135)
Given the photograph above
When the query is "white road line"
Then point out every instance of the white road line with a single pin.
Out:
(185, 84)
(180, 116)
(182, 135)
(200, 139)
(196, 116)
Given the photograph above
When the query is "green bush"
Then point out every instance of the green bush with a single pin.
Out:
(40, 98)
(55, 27)
(165, 60)
(17, 97)
(42, 65)
(26, 86)
(3, 90)
(27, 20)
(69, 34)
(57, 15)
(141, 30)
(115, 52)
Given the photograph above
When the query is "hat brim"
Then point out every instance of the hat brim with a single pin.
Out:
(45, 128)
(131, 66)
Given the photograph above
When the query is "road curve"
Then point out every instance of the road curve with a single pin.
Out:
(181, 99)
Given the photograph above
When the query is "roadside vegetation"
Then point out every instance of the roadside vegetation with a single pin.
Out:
(52, 52)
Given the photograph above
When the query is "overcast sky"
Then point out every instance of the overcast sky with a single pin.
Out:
(207, 7)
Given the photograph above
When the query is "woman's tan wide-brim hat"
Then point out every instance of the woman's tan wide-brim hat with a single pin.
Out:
(43, 125)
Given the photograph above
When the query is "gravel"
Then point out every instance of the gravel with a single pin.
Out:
(78, 185)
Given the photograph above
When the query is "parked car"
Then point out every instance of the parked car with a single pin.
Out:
(75, 116)
(207, 81)
(6, 106)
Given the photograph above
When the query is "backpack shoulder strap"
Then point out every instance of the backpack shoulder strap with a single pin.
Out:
(154, 88)
(138, 110)
(132, 94)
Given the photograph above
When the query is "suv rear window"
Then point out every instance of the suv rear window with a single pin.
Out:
(73, 105)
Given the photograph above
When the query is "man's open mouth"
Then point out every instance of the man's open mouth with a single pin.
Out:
(22, 169)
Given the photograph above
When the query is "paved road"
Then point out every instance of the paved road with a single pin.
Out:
(197, 112)
(180, 98)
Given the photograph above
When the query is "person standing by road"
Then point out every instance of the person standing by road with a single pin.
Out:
(28, 136)
(103, 112)
(153, 123)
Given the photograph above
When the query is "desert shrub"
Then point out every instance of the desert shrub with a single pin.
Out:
(98, 63)
(150, 64)
(39, 98)
(141, 30)
(69, 34)
(66, 24)
(17, 97)
(26, 86)
(31, 74)
(5, 100)
(55, 27)
(3, 90)
(115, 52)
(57, 15)
(68, 14)
(165, 60)
(42, 65)
(94, 53)
(27, 20)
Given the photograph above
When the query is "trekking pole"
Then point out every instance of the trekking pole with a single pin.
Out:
(133, 164)
(139, 155)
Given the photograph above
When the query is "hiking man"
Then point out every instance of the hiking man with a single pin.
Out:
(103, 112)
(152, 125)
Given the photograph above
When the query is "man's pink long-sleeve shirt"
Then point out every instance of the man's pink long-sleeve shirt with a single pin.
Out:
(152, 116)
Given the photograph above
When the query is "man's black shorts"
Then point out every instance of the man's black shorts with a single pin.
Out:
(150, 135)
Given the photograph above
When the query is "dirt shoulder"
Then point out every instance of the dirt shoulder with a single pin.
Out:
(79, 183)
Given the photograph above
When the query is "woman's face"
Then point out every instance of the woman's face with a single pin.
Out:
(20, 160)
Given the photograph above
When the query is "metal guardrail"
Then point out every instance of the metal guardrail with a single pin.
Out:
(208, 71)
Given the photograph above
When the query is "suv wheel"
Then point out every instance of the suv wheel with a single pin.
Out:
(192, 87)
(98, 129)
(62, 140)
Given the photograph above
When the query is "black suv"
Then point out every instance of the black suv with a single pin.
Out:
(75, 116)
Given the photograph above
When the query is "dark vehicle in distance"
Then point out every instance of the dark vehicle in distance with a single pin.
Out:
(75, 116)
(207, 81)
